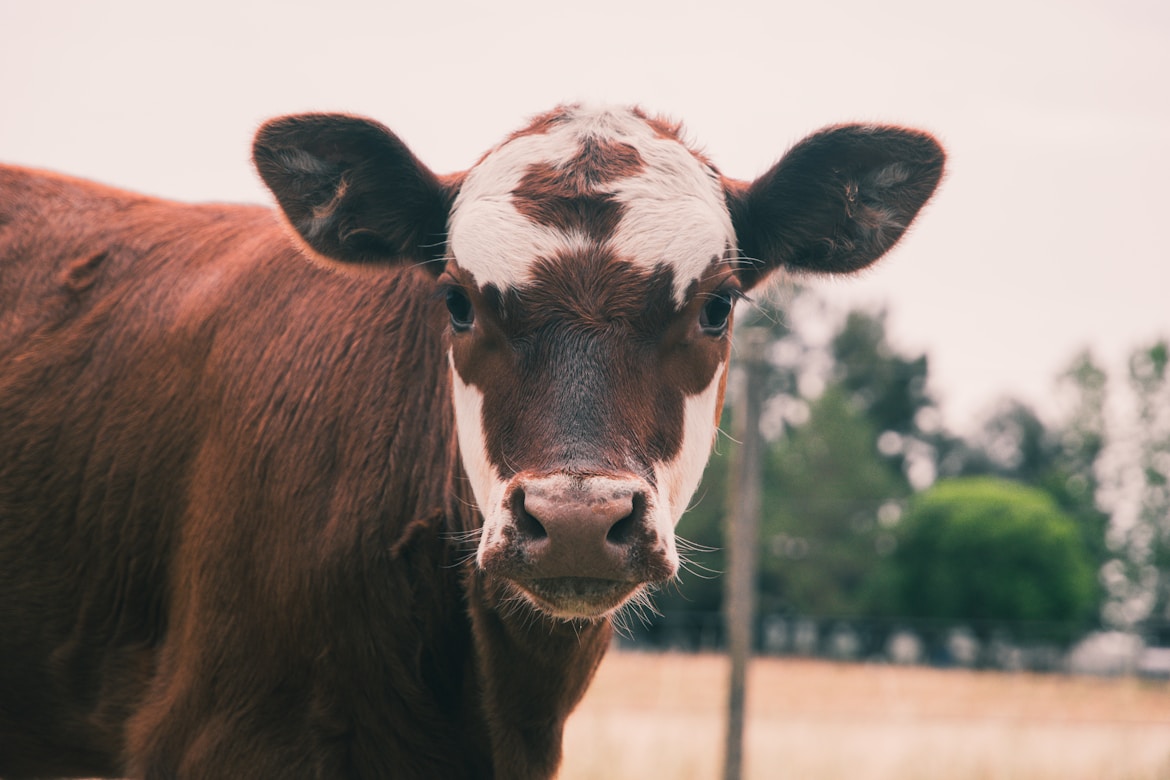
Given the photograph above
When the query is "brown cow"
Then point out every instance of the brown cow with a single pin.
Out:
(261, 519)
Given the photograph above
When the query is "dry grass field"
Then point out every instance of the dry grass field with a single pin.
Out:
(661, 716)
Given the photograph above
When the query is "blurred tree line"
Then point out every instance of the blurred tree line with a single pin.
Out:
(873, 511)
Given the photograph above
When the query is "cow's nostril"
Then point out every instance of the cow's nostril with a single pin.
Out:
(526, 524)
(622, 532)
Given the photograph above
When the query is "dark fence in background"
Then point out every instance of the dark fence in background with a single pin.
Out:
(1042, 647)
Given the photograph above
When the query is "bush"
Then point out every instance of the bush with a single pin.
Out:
(989, 552)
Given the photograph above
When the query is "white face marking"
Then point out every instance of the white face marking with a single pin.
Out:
(486, 485)
(488, 236)
(675, 215)
(679, 478)
(675, 212)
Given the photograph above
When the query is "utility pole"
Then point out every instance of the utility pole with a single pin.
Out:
(742, 535)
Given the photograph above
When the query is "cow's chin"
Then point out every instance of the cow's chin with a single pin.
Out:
(576, 598)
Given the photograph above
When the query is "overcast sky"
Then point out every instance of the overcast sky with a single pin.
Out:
(1046, 237)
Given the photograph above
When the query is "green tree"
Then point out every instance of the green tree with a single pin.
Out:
(888, 387)
(985, 551)
(1012, 443)
(1140, 578)
(821, 536)
(890, 390)
(1073, 478)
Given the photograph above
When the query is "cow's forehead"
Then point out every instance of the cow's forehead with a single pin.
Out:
(585, 180)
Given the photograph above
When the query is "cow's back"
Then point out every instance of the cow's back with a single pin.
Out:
(197, 429)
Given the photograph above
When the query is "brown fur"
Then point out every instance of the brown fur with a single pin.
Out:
(588, 370)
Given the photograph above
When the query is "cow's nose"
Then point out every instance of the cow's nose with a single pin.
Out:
(577, 519)
(579, 528)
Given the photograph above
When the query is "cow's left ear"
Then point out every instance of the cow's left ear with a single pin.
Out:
(836, 202)
(352, 190)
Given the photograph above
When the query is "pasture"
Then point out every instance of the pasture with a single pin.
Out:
(661, 716)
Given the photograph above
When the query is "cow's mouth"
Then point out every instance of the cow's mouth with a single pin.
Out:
(577, 597)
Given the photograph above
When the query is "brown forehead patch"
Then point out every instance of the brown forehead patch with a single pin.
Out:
(567, 197)
(601, 161)
(593, 288)
(541, 197)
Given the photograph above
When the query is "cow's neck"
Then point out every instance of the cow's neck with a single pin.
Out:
(533, 671)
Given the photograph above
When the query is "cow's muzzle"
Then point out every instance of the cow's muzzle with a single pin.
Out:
(579, 546)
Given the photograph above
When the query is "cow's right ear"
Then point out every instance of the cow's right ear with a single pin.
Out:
(353, 192)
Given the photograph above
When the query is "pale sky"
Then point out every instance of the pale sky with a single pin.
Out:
(1046, 236)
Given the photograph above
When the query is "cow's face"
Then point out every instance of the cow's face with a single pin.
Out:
(589, 278)
(589, 268)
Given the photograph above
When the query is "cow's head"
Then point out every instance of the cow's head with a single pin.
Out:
(590, 265)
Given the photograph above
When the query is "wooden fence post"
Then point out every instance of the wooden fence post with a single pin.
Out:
(742, 531)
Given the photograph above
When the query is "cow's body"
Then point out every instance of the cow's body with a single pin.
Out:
(147, 422)
(237, 537)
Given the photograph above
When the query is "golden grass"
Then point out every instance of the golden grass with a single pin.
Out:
(662, 716)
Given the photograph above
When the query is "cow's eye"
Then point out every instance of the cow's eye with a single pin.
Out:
(462, 315)
(716, 312)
